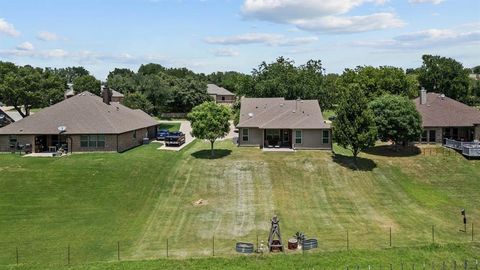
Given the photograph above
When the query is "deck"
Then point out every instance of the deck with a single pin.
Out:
(469, 149)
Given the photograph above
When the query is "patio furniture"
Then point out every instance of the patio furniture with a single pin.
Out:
(52, 149)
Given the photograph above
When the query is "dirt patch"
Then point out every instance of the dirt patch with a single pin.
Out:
(200, 202)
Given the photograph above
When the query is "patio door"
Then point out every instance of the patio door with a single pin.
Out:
(286, 134)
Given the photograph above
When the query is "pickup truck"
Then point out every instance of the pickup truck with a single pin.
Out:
(161, 134)
(175, 139)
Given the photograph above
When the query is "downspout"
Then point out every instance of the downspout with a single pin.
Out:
(117, 143)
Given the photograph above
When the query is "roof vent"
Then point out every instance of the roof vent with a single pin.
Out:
(250, 115)
(442, 96)
(62, 129)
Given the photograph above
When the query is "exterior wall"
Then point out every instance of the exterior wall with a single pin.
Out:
(255, 137)
(438, 135)
(312, 139)
(127, 140)
(110, 144)
(228, 99)
(21, 139)
(477, 133)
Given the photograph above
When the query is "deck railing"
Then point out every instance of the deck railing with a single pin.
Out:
(471, 149)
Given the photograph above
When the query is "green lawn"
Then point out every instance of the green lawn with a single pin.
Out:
(140, 198)
(169, 126)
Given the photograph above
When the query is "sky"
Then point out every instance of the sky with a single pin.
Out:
(236, 35)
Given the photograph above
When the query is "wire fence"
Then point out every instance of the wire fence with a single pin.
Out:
(84, 250)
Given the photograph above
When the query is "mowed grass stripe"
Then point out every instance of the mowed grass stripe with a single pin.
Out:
(144, 196)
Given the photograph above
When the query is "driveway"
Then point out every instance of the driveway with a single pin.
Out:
(186, 128)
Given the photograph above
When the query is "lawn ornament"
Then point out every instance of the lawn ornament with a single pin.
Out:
(275, 238)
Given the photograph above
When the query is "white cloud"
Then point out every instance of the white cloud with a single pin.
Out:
(55, 53)
(260, 38)
(8, 28)
(435, 2)
(463, 35)
(320, 16)
(225, 52)
(25, 46)
(47, 36)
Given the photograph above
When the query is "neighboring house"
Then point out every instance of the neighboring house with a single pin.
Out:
(5, 119)
(474, 77)
(83, 123)
(276, 122)
(220, 94)
(446, 118)
(116, 96)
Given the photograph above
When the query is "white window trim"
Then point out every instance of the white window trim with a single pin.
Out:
(323, 137)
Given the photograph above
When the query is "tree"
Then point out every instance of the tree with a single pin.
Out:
(354, 128)
(396, 119)
(26, 87)
(476, 70)
(444, 75)
(210, 121)
(70, 73)
(138, 101)
(87, 83)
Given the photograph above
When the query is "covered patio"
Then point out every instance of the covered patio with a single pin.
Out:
(51, 143)
(277, 138)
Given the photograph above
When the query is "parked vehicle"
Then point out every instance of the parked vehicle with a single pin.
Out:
(161, 134)
(175, 139)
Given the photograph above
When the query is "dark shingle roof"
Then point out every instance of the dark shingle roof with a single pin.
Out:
(84, 113)
(278, 113)
(213, 89)
(441, 111)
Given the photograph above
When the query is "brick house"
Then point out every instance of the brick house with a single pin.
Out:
(446, 118)
(82, 123)
(280, 123)
(220, 94)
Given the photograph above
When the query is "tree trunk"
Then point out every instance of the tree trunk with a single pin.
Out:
(211, 148)
(355, 155)
(19, 110)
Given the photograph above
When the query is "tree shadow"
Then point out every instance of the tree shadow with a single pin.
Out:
(207, 154)
(361, 164)
(391, 151)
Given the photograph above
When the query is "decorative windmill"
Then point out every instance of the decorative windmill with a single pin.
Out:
(275, 239)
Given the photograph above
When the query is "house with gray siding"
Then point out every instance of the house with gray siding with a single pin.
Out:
(81, 123)
(446, 118)
(280, 123)
(220, 94)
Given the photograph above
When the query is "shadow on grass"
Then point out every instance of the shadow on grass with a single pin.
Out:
(361, 164)
(390, 151)
(207, 154)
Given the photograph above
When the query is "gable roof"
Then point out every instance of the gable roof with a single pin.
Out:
(84, 113)
(441, 111)
(213, 89)
(278, 113)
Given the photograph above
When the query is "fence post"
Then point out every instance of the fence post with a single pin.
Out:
(391, 267)
(16, 253)
(476, 264)
(433, 234)
(213, 245)
(465, 265)
(454, 265)
(68, 254)
(167, 247)
(348, 244)
(118, 250)
(390, 236)
(472, 231)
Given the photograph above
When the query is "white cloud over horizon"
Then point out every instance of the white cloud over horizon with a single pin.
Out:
(260, 38)
(321, 16)
(225, 52)
(435, 2)
(25, 46)
(8, 28)
(47, 36)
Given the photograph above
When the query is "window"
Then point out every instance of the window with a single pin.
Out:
(273, 135)
(100, 141)
(326, 136)
(223, 98)
(298, 136)
(245, 134)
(433, 135)
(13, 139)
(424, 136)
(92, 141)
(84, 141)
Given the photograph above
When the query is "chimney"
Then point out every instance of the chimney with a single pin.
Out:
(423, 96)
(106, 95)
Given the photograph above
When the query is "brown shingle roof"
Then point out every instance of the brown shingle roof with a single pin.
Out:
(441, 111)
(84, 113)
(213, 89)
(278, 113)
